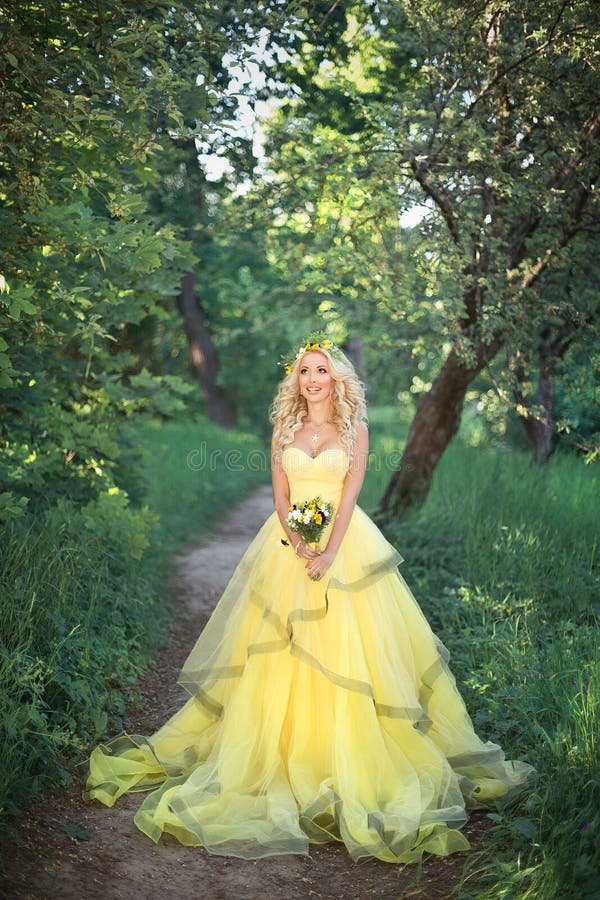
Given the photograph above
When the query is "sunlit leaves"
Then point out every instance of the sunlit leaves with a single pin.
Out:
(92, 101)
(485, 115)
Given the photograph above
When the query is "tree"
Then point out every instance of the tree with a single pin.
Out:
(487, 116)
(521, 148)
(92, 100)
(537, 367)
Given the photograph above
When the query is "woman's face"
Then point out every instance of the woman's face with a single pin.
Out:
(313, 375)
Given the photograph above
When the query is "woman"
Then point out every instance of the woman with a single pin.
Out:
(322, 707)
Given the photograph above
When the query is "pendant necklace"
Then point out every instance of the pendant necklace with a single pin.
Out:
(316, 435)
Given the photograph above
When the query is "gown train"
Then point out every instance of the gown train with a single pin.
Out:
(318, 711)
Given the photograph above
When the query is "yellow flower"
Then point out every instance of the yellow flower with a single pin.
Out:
(325, 344)
(318, 518)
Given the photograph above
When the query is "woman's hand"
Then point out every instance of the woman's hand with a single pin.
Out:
(317, 567)
(304, 550)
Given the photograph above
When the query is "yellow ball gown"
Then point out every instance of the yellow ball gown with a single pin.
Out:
(319, 711)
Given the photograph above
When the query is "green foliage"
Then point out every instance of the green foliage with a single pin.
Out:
(81, 256)
(431, 179)
(247, 313)
(82, 598)
(79, 609)
(578, 398)
(99, 109)
(539, 692)
(205, 465)
(503, 559)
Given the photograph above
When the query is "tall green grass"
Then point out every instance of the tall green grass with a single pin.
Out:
(503, 559)
(82, 601)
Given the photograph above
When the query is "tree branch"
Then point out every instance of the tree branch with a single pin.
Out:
(569, 231)
(564, 172)
(445, 204)
(500, 75)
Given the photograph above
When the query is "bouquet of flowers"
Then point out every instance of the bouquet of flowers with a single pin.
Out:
(309, 519)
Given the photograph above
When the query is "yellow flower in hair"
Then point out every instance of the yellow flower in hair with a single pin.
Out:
(320, 343)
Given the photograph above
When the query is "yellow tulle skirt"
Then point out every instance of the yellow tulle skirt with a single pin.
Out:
(317, 712)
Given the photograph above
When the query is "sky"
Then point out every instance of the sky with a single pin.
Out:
(251, 113)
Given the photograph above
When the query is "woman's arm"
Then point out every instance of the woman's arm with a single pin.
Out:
(352, 486)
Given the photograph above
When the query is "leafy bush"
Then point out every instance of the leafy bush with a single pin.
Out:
(82, 602)
(78, 612)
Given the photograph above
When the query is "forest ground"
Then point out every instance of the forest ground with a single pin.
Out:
(115, 860)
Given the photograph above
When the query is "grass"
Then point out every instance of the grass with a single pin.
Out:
(503, 559)
(192, 472)
(83, 604)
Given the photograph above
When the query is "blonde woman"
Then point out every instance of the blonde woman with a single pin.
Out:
(322, 707)
(320, 409)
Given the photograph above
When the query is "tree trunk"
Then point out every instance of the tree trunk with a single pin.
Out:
(542, 427)
(436, 422)
(354, 348)
(538, 429)
(203, 354)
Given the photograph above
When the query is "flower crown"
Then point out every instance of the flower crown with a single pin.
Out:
(316, 342)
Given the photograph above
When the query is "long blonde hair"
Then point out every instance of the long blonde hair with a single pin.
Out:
(289, 407)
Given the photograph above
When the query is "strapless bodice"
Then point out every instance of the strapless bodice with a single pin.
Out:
(321, 475)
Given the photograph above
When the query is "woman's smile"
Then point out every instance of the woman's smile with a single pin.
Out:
(314, 376)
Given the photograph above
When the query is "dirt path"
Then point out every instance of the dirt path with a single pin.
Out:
(116, 861)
